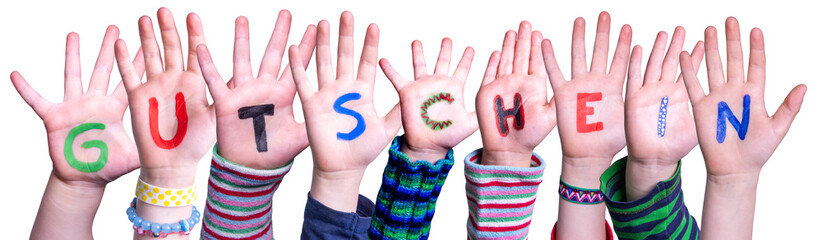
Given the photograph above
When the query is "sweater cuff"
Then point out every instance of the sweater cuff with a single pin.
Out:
(239, 200)
(322, 222)
(500, 198)
(661, 214)
(408, 195)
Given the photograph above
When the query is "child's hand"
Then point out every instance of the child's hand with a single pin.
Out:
(512, 104)
(255, 120)
(735, 133)
(659, 127)
(172, 120)
(344, 130)
(87, 141)
(589, 107)
(431, 129)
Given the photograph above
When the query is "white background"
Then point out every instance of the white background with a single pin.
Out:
(34, 38)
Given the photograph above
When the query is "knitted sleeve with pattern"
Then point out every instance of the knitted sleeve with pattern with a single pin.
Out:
(239, 200)
(500, 198)
(661, 214)
(408, 195)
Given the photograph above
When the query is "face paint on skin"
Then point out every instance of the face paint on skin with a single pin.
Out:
(182, 122)
(87, 167)
(663, 117)
(360, 128)
(517, 113)
(724, 112)
(257, 114)
(432, 123)
(584, 111)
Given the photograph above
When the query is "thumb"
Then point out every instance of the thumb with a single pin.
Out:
(784, 116)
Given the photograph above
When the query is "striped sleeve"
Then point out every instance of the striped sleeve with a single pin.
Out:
(239, 200)
(408, 195)
(500, 198)
(661, 214)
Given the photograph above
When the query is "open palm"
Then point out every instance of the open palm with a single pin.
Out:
(658, 121)
(86, 118)
(428, 126)
(589, 107)
(339, 141)
(517, 73)
(283, 138)
(735, 154)
(181, 138)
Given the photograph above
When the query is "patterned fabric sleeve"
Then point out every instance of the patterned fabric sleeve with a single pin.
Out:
(239, 200)
(408, 195)
(661, 214)
(500, 198)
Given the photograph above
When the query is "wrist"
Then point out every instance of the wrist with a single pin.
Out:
(75, 194)
(429, 154)
(733, 184)
(506, 158)
(169, 177)
(642, 175)
(337, 190)
(584, 172)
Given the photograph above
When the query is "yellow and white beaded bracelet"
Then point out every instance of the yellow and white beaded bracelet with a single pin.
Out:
(165, 197)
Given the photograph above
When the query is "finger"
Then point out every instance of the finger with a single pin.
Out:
(171, 40)
(670, 65)
(73, 81)
(306, 47)
(398, 81)
(139, 64)
(551, 67)
(634, 72)
(130, 78)
(196, 37)
(696, 58)
(242, 57)
(39, 104)
(393, 121)
(784, 116)
(507, 55)
(536, 64)
(272, 59)
(578, 61)
(716, 77)
(654, 67)
(464, 66)
(120, 92)
(599, 61)
(368, 60)
(216, 84)
(324, 70)
(444, 60)
(151, 52)
(418, 57)
(491, 69)
(105, 62)
(695, 92)
(622, 53)
(756, 66)
(298, 71)
(522, 49)
(736, 62)
(345, 47)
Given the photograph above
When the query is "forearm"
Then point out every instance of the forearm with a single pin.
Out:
(641, 175)
(338, 190)
(728, 210)
(155, 213)
(581, 173)
(64, 205)
(408, 195)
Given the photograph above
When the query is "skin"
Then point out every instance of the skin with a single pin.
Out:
(733, 166)
(72, 197)
(170, 168)
(421, 142)
(585, 156)
(517, 69)
(652, 158)
(286, 138)
(338, 164)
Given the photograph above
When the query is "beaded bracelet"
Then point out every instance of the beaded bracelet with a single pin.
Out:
(579, 195)
(146, 228)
